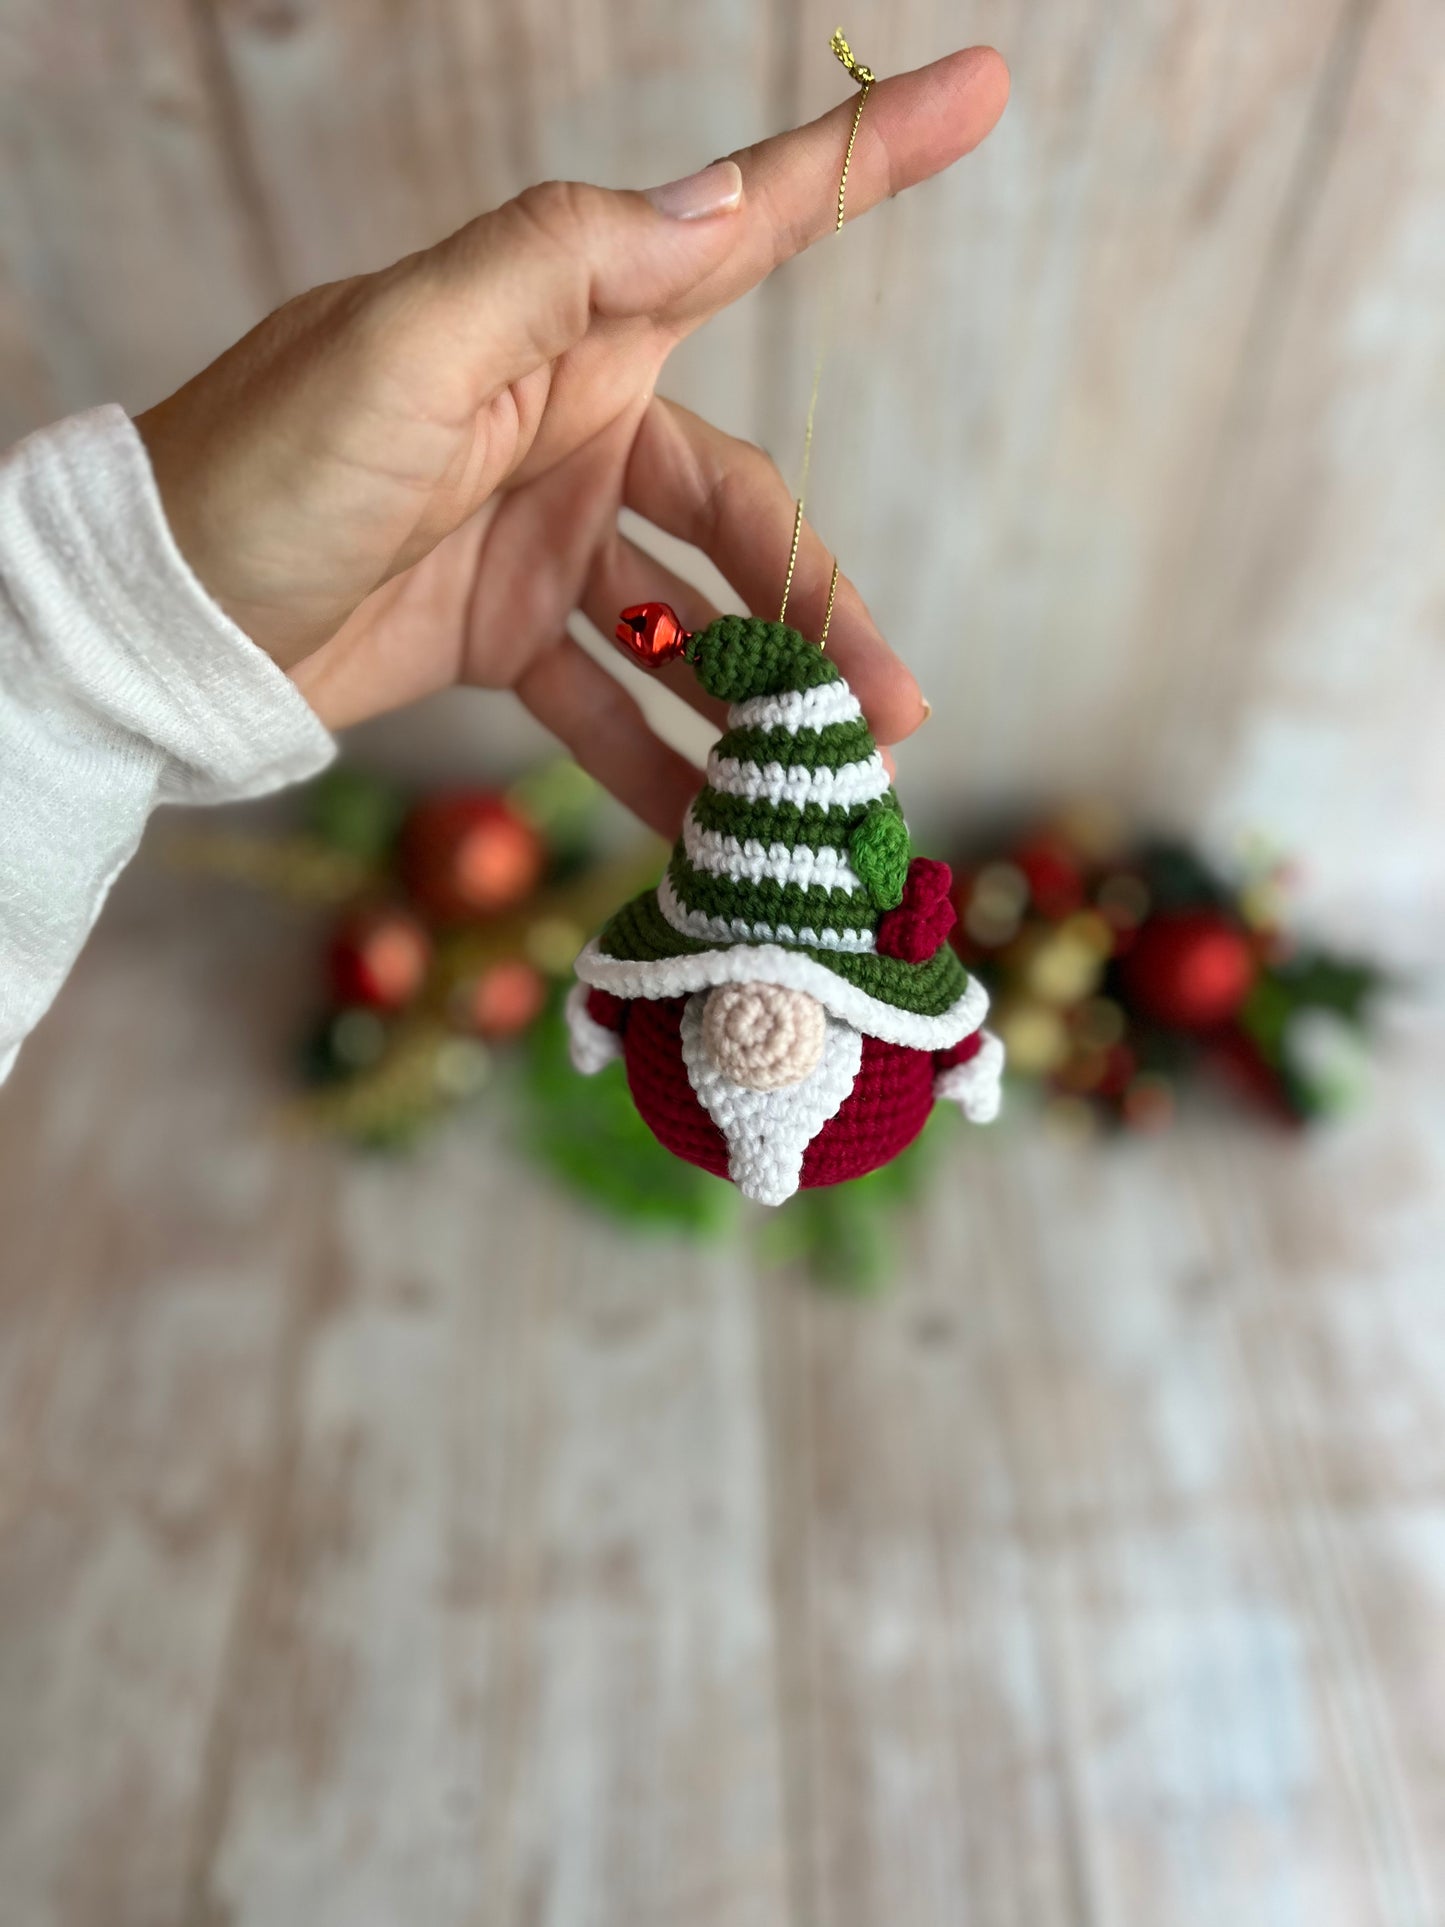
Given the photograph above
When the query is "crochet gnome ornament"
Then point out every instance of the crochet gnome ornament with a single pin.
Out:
(786, 1001)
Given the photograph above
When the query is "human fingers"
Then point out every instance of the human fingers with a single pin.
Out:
(622, 574)
(728, 499)
(518, 286)
(913, 126)
(590, 712)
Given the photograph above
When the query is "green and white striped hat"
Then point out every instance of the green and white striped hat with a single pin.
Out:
(790, 857)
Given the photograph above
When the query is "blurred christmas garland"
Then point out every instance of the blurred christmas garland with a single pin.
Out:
(1121, 968)
(1116, 968)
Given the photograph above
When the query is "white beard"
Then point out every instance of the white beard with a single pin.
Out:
(768, 1132)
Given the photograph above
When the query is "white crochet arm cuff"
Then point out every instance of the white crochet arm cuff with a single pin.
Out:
(593, 1045)
(977, 1086)
(122, 685)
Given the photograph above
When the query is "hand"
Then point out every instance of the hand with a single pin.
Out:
(413, 478)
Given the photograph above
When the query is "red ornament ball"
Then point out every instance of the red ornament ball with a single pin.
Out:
(470, 854)
(1189, 969)
(378, 957)
(1054, 875)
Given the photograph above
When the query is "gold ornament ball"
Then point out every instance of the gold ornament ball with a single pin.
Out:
(1061, 967)
(1035, 1037)
(552, 944)
(996, 902)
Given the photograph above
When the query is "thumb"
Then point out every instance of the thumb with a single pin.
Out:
(520, 285)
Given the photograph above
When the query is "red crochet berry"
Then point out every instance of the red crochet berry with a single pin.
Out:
(922, 922)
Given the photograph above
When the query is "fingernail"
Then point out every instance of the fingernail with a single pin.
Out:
(927, 709)
(714, 190)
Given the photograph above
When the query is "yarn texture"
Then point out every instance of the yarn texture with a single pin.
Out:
(946, 1002)
(739, 656)
(768, 1131)
(974, 1082)
(594, 1045)
(786, 1000)
(924, 916)
(879, 848)
(763, 1036)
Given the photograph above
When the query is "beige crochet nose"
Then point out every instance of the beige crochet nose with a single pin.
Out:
(763, 1036)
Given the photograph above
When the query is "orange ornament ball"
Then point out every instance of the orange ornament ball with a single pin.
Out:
(504, 999)
(470, 854)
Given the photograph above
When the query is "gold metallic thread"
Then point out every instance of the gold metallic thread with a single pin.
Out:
(865, 78)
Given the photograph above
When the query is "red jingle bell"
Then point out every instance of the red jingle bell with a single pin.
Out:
(651, 633)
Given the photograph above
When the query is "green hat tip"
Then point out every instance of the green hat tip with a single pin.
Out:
(741, 656)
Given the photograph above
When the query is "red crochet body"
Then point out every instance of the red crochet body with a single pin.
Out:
(886, 1109)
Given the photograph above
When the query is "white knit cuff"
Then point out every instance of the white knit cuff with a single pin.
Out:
(128, 631)
(977, 1086)
(121, 685)
(593, 1045)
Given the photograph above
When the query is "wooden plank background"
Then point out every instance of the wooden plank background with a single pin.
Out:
(387, 1543)
(390, 1540)
(1134, 435)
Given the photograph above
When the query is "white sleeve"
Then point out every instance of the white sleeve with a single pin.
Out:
(122, 685)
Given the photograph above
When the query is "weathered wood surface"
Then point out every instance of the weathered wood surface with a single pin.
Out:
(389, 1541)
(1134, 431)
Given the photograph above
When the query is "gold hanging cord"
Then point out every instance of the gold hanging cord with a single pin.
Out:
(865, 78)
